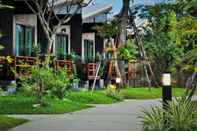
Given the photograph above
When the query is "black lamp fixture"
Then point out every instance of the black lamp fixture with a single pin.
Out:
(167, 88)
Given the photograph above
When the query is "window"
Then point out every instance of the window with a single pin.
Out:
(88, 51)
(61, 46)
(24, 40)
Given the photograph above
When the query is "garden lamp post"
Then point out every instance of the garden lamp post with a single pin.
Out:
(118, 81)
(167, 88)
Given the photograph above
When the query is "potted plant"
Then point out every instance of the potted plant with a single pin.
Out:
(35, 50)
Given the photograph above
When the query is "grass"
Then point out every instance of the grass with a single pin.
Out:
(8, 122)
(74, 101)
(98, 97)
(18, 104)
(145, 93)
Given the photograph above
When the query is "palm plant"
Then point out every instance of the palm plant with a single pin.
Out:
(153, 120)
(182, 115)
(191, 64)
(179, 115)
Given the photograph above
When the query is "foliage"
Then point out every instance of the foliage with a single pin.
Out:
(128, 51)
(180, 115)
(112, 91)
(8, 122)
(98, 56)
(187, 27)
(60, 83)
(42, 77)
(153, 120)
(185, 7)
(36, 50)
(163, 45)
(45, 81)
(20, 104)
(108, 30)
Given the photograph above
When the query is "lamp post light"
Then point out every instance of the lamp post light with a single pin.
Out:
(167, 88)
(118, 81)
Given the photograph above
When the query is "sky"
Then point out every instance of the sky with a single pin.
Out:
(117, 4)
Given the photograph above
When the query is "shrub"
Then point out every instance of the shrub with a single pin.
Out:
(45, 81)
(180, 115)
(42, 77)
(60, 83)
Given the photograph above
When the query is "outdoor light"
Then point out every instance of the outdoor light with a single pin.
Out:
(167, 89)
(166, 79)
(118, 80)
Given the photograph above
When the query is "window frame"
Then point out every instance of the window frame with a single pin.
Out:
(18, 49)
(67, 46)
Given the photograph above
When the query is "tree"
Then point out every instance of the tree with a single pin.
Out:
(123, 18)
(46, 10)
(124, 15)
(163, 46)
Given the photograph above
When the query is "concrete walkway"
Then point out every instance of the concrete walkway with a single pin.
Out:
(116, 117)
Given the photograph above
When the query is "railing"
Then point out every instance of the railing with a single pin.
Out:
(91, 71)
(24, 61)
(65, 63)
(23, 64)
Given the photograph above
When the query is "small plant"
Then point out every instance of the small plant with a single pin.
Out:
(180, 115)
(98, 57)
(112, 91)
(35, 50)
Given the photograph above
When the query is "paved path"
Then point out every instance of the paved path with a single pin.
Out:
(116, 117)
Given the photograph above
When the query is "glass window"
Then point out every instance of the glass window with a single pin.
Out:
(24, 40)
(61, 46)
(88, 51)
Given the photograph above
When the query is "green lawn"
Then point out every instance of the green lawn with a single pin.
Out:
(18, 104)
(98, 97)
(8, 122)
(145, 93)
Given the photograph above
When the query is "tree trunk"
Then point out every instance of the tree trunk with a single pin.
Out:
(50, 44)
(124, 15)
(123, 34)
